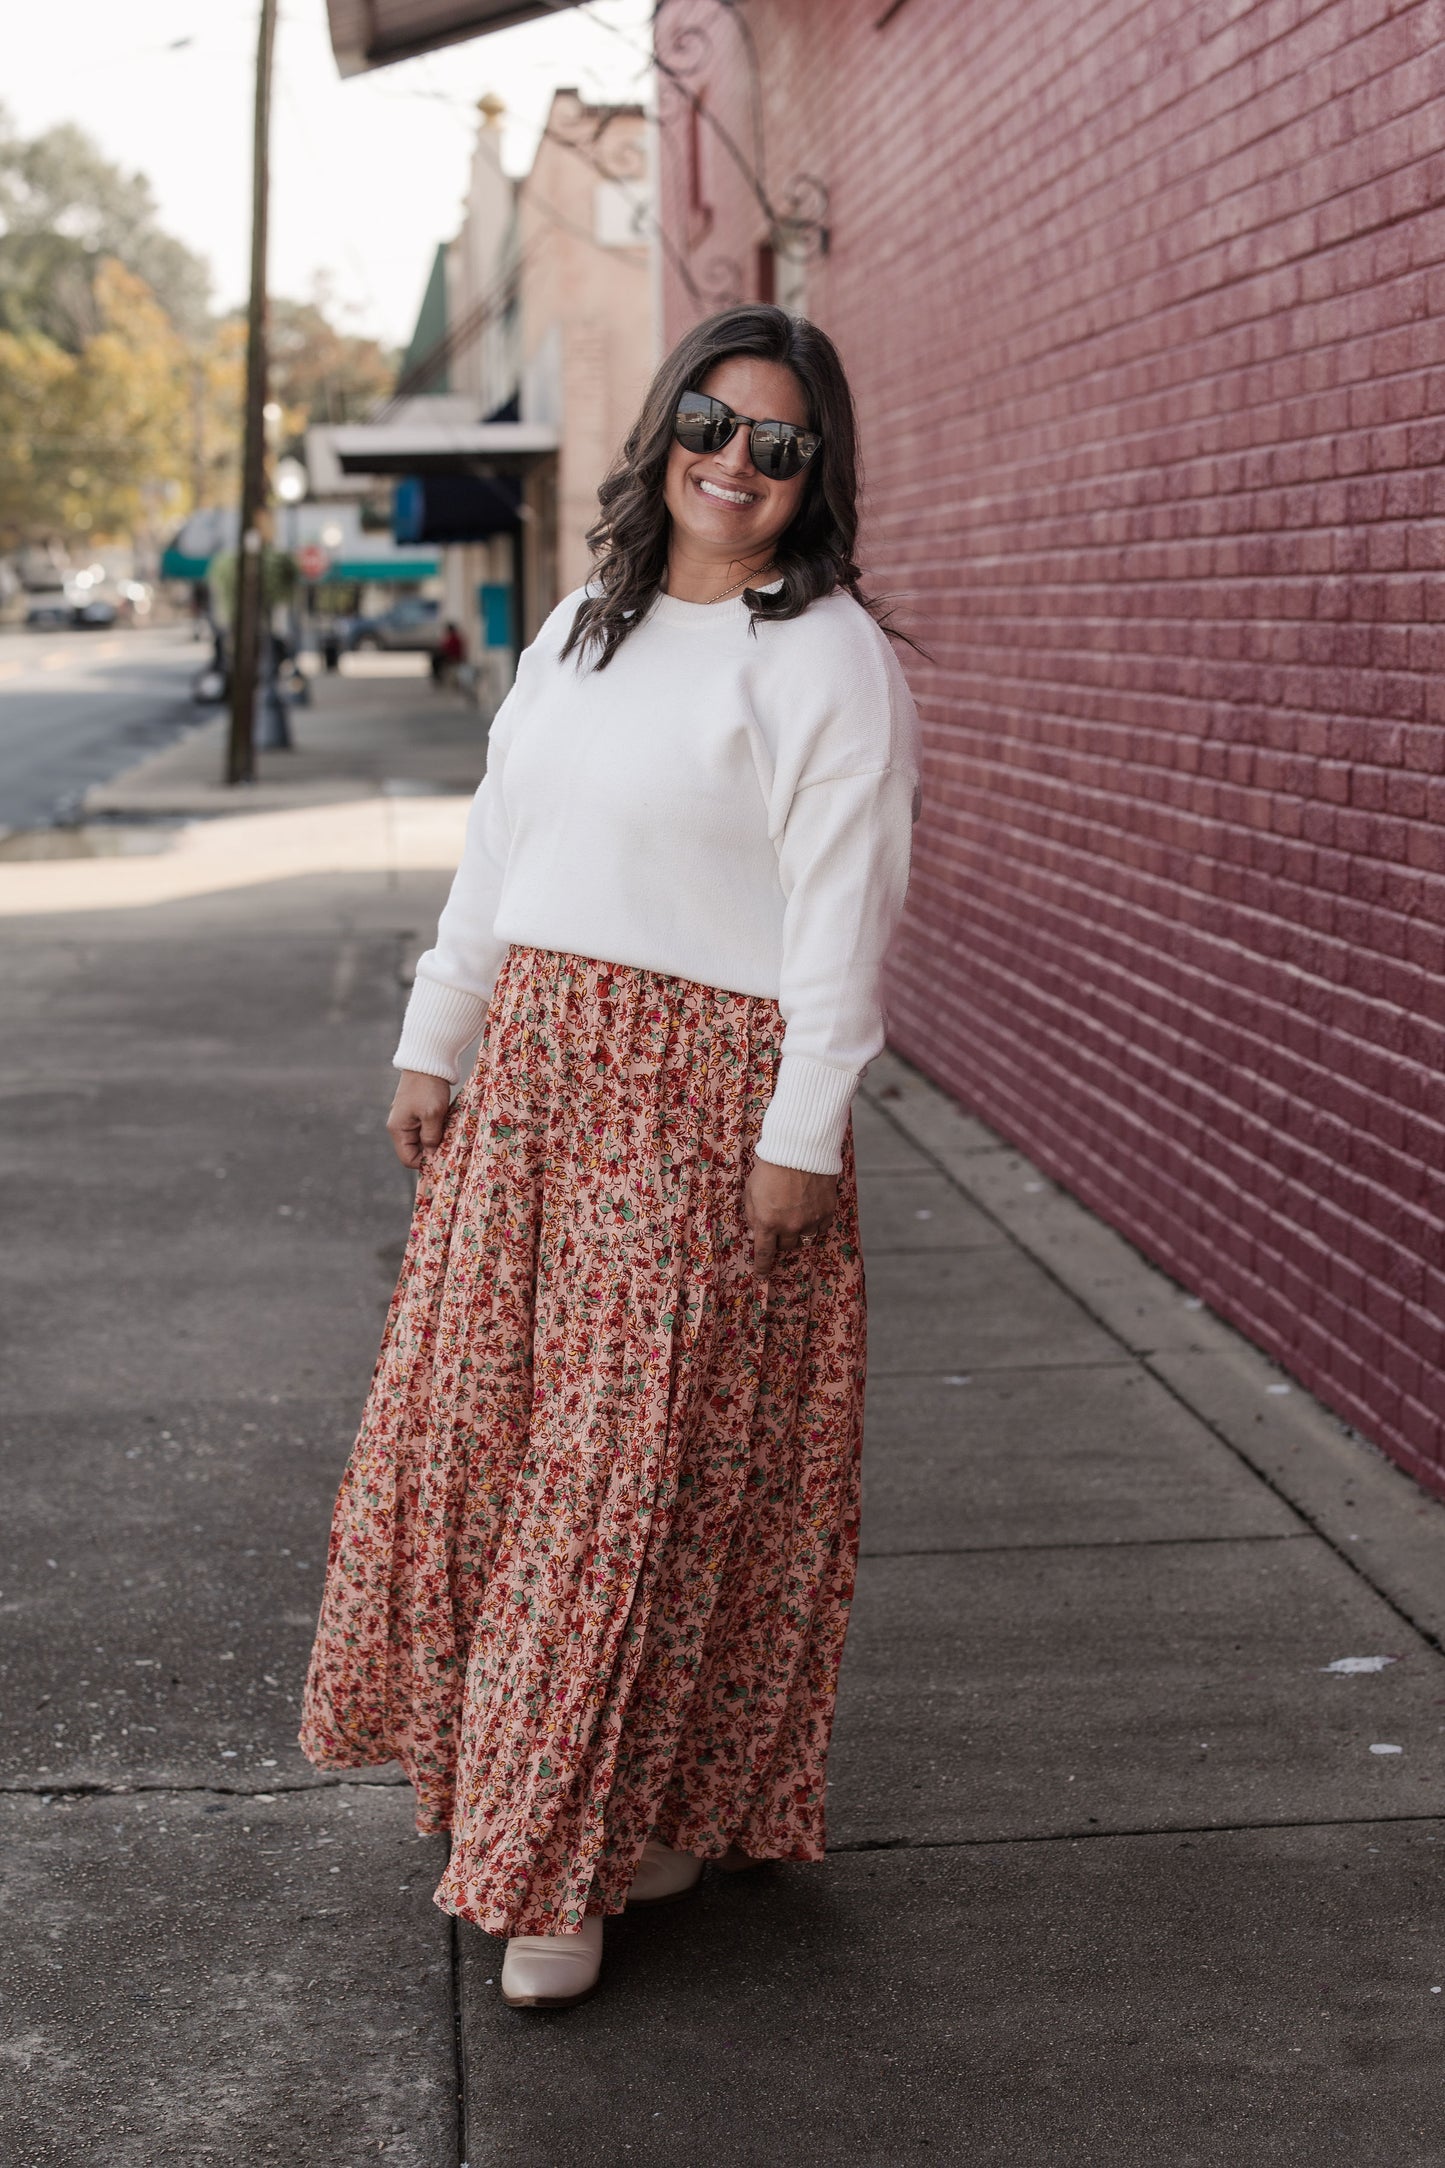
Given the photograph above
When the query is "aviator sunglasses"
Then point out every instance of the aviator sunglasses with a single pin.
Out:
(779, 449)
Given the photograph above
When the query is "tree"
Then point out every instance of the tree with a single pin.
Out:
(64, 209)
(279, 581)
(94, 444)
(321, 374)
(218, 389)
(37, 387)
(120, 397)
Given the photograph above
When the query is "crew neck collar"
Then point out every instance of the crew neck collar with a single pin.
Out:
(702, 616)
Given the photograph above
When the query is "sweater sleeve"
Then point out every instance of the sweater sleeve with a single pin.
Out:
(454, 978)
(843, 858)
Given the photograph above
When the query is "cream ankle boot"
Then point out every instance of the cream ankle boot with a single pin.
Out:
(550, 1972)
(662, 1873)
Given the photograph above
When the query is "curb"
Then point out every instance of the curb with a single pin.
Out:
(1369, 1511)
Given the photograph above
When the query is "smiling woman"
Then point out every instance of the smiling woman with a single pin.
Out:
(705, 491)
(593, 1555)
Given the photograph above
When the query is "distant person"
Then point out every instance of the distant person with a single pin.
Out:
(448, 655)
(593, 1554)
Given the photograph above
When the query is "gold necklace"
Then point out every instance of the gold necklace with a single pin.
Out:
(751, 579)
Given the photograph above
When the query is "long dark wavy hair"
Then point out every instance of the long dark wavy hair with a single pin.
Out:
(814, 555)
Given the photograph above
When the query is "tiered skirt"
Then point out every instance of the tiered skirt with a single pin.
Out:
(593, 1552)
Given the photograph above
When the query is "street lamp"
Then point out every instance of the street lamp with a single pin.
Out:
(291, 481)
(291, 485)
(273, 730)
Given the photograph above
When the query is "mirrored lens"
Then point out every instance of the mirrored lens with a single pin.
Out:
(702, 424)
(774, 449)
(778, 450)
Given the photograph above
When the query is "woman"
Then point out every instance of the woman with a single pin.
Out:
(593, 1553)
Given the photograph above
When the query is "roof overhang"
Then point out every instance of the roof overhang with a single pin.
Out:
(373, 33)
(421, 447)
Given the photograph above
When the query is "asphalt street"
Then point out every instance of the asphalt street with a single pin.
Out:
(78, 707)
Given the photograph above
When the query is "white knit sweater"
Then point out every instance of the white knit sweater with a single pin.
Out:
(724, 805)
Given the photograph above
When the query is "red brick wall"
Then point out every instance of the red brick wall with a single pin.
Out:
(1142, 300)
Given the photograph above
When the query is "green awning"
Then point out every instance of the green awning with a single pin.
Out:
(403, 566)
(410, 566)
(175, 565)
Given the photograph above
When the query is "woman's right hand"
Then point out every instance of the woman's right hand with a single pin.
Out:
(418, 1116)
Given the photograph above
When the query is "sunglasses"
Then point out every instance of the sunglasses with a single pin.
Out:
(779, 449)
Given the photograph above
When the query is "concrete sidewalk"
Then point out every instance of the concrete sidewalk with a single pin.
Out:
(1119, 1871)
(378, 723)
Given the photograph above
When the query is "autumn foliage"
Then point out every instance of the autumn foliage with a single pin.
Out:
(120, 393)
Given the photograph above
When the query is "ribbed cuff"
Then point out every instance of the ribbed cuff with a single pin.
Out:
(440, 1022)
(807, 1115)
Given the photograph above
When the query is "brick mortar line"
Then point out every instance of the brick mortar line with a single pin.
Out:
(998, 144)
(1135, 289)
(1077, 1292)
(1156, 1076)
(1016, 457)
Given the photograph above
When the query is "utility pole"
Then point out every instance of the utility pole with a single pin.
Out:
(248, 606)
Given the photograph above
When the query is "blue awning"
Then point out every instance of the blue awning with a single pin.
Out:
(454, 507)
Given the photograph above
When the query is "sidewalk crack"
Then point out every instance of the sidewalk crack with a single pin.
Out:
(459, 2043)
(87, 1788)
(1167, 1829)
(1096, 1543)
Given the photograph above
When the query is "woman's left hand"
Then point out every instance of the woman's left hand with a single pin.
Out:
(783, 1205)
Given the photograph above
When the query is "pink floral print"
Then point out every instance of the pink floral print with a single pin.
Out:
(593, 1553)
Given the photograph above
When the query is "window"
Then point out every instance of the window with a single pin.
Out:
(621, 213)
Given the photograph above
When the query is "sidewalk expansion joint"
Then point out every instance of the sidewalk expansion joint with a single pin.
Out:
(1126, 1361)
(1313, 1523)
(459, 2043)
(1077, 1292)
(1155, 1829)
(1095, 1543)
(80, 1788)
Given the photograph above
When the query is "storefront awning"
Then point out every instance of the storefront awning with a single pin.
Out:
(372, 33)
(402, 568)
(442, 447)
(176, 565)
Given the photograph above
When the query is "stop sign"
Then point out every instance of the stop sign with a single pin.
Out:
(313, 562)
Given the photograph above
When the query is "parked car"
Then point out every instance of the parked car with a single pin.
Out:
(102, 608)
(111, 602)
(412, 625)
(50, 610)
(91, 603)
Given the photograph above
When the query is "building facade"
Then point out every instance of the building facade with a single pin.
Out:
(534, 343)
(1144, 307)
(549, 296)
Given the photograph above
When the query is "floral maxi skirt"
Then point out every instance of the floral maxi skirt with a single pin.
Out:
(593, 1552)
